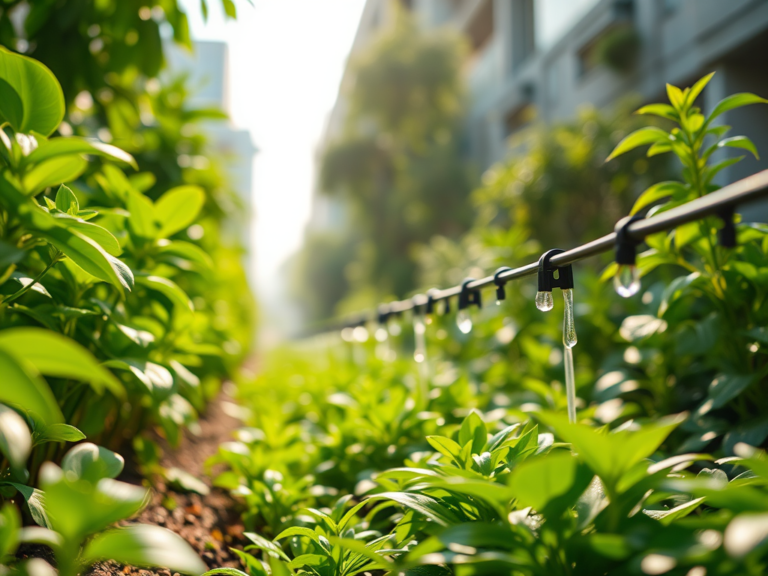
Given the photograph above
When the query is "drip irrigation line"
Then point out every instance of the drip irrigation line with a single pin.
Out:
(723, 201)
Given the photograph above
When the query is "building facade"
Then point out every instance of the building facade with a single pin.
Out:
(544, 59)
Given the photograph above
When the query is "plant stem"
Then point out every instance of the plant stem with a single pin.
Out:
(25, 289)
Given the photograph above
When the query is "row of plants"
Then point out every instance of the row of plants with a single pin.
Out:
(357, 458)
(113, 320)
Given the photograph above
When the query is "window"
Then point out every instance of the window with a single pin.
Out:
(523, 36)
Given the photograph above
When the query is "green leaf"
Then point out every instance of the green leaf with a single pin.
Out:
(690, 98)
(91, 257)
(637, 138)
(421, 503)
(229, 9)
(22, 387)
(610, 456)
(735, 101)
(538, 481)
(92, 463)
(143, 219)
(142, 545)
(725, 388)
(66, 201)
(155, 377)
(739, 142)
(178, 208)
(183, 480)
(73, 147)
(666, 517)
(38, 91)
(447, 447)
(15, 439)
(54, 171)
(56, 355)
(473, 430)
(77, 508)
(57, 433)
(10, 523)
(169, 289)
(35, 500)
(662, 110)
(187, 251)
(98, 234)
(657, 192)
(676, 97)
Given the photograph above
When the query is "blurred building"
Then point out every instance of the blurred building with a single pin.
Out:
(207, 70)
(543, 59)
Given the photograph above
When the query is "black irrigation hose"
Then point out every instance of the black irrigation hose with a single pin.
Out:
(721, 203)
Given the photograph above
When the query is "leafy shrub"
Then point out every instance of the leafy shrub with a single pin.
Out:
(513, 487)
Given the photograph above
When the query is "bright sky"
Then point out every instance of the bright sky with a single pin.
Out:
(286, 62)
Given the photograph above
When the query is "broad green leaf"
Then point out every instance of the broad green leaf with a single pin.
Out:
(57, 433)
(725, 388)
(611, 455)
(447, 447)
(739, 142)
(98, 234)
(56, 355)
(178, 208)
(735, 101)
(25, 280)
(473, 430)
(648, 135)
(143, 545)
(666, 517)
(15, 439)
(538, 481)
(73, 147)
(91, 257)
(23, 388)
(421, 503)
(92, 463)
(169, 289)
(143, 219)
(35, 500)
(66, 201)
(187, 251)
(674, 290)
(657, 192)
(662, 110)
(10, 523)
(52, 172)
(155, 377)
(659, 148)
(77, 508)
(38, 91)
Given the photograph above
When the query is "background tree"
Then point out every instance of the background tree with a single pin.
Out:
(398, 162)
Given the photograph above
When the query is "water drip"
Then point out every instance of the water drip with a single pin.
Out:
(627, 280)
(544, 301)
(464, 321)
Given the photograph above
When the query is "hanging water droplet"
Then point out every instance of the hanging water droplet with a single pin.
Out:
(381, 334)
(569, 326)
(544, 301)
(419, 329)
(570, 384)
(498, 302)
(627, 280)
(464, 321)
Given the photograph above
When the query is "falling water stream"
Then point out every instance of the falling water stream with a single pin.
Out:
(569, 341)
